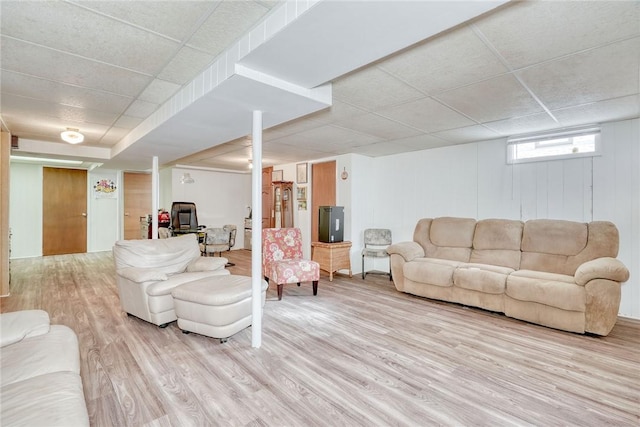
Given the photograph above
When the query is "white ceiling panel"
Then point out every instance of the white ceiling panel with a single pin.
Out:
(141, 109)
(444, 62)
(159, 91)
(230, 20)
(527, 33)
(521, 125)
(498, 98)
(426, 114)
(185, 65)
(467, 134)
(36, 60)
(336, 112)
(66, 27)
(127, 122)
(175, 19)
(378, 126)
(421, 142)
(113, 135)
(60, 93)
(373, 88)
(594, 75)
(626, 107)
(290, 128)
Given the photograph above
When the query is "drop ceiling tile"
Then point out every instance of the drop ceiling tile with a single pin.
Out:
(175, 19)
(185, 66)
(71, 115)
(626, 107)
(60, 93)
(523, 125)
(329, 139)
(498, 98)
(372, 88)
(159, 91)
(379, 149)
(127, 122)
(276, 150)
(113, 136)
(289, 128)
(338, 111)
(421, 142)
(229, 21)
(426, 114)
(450, 60)
(68, 28)
(380, 127)
(141, 109)
(527, 33)
(36, 61)
(467, 134)
(594, 75)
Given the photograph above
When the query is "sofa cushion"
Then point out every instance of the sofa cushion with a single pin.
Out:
(168, 256)
(51, 352)
(554, 237)
(139, 274)
(438, 272)
(497, 242)
(17, 325)
(165, 287)
(482, 278)
(446, 238)
(554, 290)
(52, 400)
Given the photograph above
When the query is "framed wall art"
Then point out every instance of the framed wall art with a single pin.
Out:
(302, 173)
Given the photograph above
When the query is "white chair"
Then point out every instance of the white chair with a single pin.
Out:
(376, 241)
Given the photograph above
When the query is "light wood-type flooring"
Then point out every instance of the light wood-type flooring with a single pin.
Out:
(358, 354)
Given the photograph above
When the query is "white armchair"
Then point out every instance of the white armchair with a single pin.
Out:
(148, 270)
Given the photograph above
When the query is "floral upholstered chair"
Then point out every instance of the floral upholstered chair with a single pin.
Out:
(282, 260)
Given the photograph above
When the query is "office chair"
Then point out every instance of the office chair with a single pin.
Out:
(184, 219)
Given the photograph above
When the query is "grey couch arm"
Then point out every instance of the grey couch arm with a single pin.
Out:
(407, 250)
(601, 268)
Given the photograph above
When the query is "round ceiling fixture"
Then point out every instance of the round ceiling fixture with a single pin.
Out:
(72, 136)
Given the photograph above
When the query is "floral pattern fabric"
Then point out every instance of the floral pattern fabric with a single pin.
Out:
(282, 260)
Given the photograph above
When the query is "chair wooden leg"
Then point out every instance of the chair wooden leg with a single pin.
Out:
(315, 287)
(280, 292)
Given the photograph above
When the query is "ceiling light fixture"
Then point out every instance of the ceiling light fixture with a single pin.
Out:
(72, 136)
(187, 179)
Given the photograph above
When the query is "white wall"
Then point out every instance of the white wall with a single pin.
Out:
(220, 197)
(473, 180)
(104, 217)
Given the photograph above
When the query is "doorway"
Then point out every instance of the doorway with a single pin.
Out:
(323, 192)
(64, 211)
(137, 203)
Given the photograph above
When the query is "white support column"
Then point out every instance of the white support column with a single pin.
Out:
(256, 238)
(154, 198)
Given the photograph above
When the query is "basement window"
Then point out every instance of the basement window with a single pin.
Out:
(554, 146)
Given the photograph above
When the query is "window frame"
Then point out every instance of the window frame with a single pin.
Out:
(541, 137)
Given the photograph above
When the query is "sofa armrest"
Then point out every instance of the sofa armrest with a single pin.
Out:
(204, 263)
(601, 268)
(18, 325)
(140, 275)
(407, 250)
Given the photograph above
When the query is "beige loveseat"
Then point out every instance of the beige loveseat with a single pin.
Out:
(556, 273)
(148, 270)
(40, 383)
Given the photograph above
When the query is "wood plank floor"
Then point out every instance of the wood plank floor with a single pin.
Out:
(358, 354)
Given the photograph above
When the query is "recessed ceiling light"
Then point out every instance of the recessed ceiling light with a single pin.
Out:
(72, 136)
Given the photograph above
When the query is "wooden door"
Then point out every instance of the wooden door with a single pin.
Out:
(267, 197)
(323, 192)
(137, 202)
(64, 211)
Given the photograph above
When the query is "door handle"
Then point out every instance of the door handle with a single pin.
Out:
(84, 214)
(126, 214)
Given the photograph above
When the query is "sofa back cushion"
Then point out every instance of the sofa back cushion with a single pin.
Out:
(169, 256)
(446, 237)
(497, 242)
(558, 246)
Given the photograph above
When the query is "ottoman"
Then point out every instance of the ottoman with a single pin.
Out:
(217, 307)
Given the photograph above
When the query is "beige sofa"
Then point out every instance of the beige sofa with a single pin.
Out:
(40, 383)
(148, 270)
(556, 273)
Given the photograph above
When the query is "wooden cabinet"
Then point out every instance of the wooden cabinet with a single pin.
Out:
(282, 204)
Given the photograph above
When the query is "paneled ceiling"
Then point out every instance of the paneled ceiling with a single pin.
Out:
(106, 66)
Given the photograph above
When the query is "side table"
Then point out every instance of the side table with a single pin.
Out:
(332, 256)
